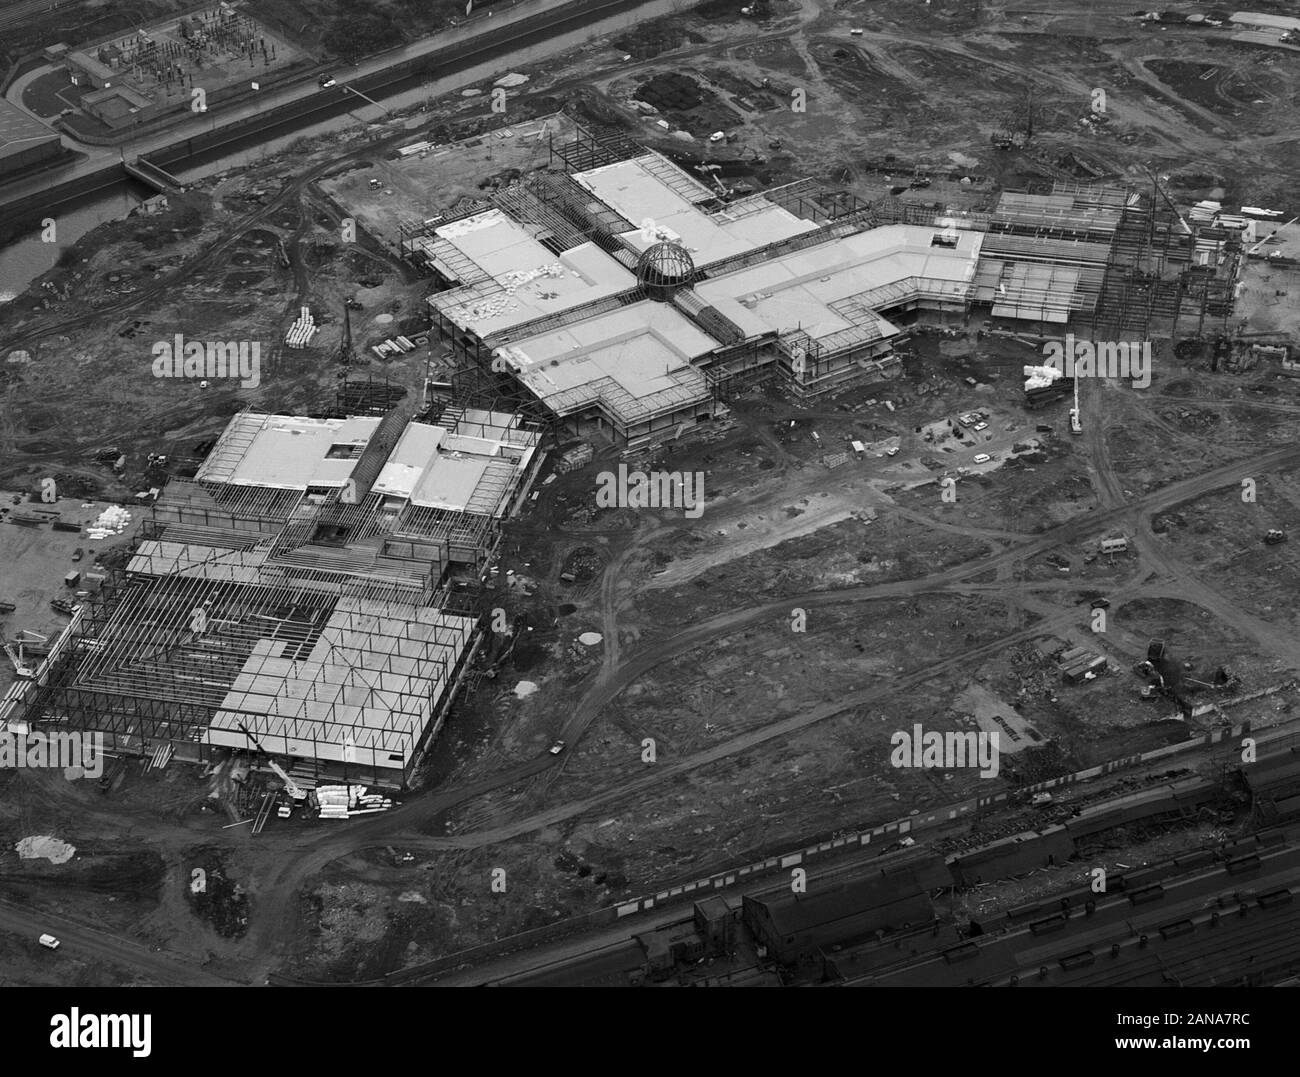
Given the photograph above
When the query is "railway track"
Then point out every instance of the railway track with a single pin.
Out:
(16, 14)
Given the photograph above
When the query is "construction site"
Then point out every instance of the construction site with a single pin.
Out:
(373, 606)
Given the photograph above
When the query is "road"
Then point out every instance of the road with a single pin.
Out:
(80, 940)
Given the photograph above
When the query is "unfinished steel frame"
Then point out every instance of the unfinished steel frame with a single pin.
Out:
(153, 659)
(1153, 280)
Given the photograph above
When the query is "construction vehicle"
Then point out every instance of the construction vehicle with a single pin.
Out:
(295, 791)
(1076, 421)
(22, 670)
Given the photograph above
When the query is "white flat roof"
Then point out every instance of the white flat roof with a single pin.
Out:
(796, 290)
(529, 280)
(658, 200)
(414, 451)
(450, 481)
(434, 468)
(642, 350)
(376, 674)
(287, 452)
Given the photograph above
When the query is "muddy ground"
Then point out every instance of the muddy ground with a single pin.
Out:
(786, 527)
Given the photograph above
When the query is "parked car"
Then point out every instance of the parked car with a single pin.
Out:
(982, 458)
(326, 81)
(78, 554)
(980, 426)
(556, 748)
(892, 452)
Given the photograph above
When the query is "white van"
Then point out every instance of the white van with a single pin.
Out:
(49, 942)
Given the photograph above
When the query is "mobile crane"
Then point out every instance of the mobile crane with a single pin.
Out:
(295, 791)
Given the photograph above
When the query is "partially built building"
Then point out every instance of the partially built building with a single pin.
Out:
(622, 297)
(294, 596)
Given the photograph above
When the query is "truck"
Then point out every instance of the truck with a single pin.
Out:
(1076, 427)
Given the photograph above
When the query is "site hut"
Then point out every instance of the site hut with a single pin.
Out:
(296, 588)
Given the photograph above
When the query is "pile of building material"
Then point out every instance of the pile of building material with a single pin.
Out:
(112, 521)
(399, 346)
(341, 801)
(575, 458)
(301, 332)
(369, 804)
(1205, 211)
(1039, 377)
(1079, 664)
